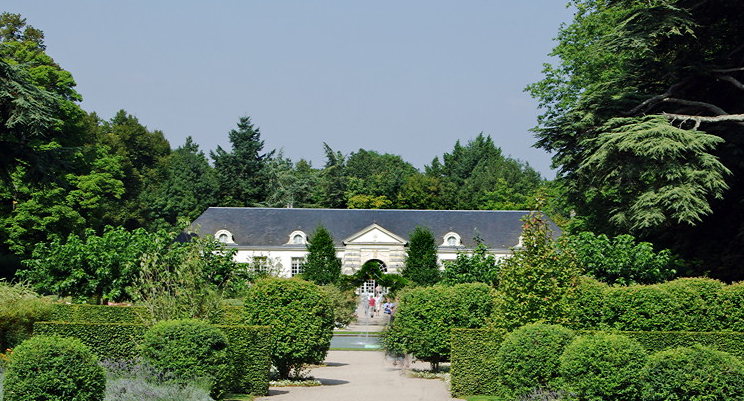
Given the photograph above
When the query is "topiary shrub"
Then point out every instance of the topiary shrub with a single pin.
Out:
(188, 348)
(426, 315)
(693, 374)
(53, 369)
(603, 367)
(529, 357)
(301, 320)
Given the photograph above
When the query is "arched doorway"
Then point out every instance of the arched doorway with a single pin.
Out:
(370, 272)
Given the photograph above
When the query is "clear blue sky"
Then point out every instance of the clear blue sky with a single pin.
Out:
(402, 77)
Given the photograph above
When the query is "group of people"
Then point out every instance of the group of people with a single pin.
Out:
(375, 306)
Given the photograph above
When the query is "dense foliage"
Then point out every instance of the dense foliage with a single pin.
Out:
(53, 369)
(480, 266)
(301, 320)
(321, 265)
(20, 307)
(425, 317)
(621, 260)
(696, 373)
(603, 367)
(529, 357)
(189, 349)
(642, 112)
(537, 282)
(421, 265)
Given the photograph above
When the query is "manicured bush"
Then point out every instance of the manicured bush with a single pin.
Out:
(248, 359)
(603, 367)
(107, 341)
(20, 307)
(426, 315)
(229, 316)
(529, 357)
(53, 369)
(248, 351)
(587, 306)
(189, 348)
(693, 374)
(473, 368)
(728, 309)
(301, 320)
(85, 313)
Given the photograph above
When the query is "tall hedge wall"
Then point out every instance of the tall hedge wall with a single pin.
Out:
(473, 361)
(106, 340)
(249, 352)
(248, 349)
(100, 314)
(474, 351)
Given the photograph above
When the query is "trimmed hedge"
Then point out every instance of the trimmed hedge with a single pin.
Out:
(249, 358)
(654, 341)
(528, 357)
(475, 372)
(603, 367)
(697, 373)
(473, 367)
(106, 340)
(100, 314)
(53, 369)
(248, 353)
(229, 316)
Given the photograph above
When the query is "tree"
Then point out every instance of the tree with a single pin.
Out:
(421, 264)
(375, 177)
(332, 183)
(621, 260)
(472, 175)
(301, 320)
(93, 267)
(321, 265)
(290, 185)
(537, 282)
(478, 267)
(425, 317)
(643, 116)
(143, 155)
(188, 189)
(242, 172)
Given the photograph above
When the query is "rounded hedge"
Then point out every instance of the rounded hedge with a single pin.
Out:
(53, 369)
(603, 366)
(301, 318)
(693, 374)
(529, 357)
(188, 348)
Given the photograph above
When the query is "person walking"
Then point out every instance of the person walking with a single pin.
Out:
(371, 306)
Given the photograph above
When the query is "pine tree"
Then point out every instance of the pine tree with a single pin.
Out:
(322, 266)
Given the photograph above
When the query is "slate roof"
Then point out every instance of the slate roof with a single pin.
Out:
(272, 226)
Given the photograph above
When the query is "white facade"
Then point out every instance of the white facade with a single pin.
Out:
(372, 243)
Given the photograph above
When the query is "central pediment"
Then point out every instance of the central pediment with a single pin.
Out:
(374, 234)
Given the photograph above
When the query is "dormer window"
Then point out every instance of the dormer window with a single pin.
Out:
(297, 238)
(224, 237)
(451, 239)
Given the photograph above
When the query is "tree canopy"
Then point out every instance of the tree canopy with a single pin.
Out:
(643, 114)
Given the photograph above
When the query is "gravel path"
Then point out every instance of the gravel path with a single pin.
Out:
(362, 376)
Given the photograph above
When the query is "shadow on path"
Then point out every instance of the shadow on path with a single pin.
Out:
(362, 376)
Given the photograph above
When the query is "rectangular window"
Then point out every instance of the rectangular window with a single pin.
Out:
(297, 267)
(260, 263)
